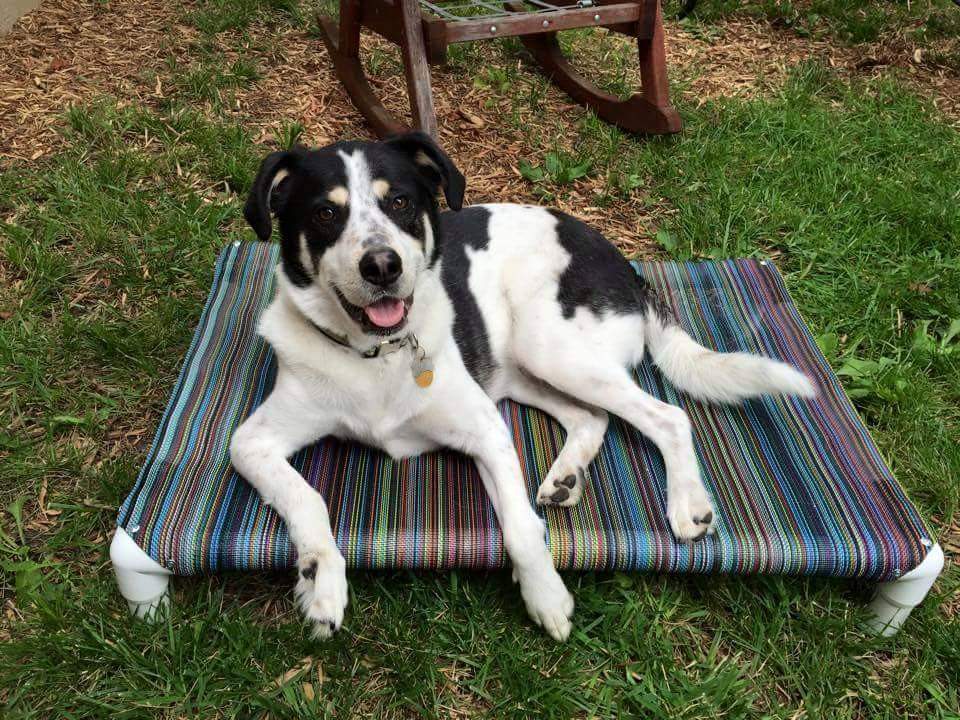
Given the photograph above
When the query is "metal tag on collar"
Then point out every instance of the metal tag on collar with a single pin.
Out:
(421, 366)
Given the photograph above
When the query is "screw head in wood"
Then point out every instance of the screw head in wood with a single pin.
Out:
(596, 18)
(493, 28)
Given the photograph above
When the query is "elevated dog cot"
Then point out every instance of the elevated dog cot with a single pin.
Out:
(799, 486)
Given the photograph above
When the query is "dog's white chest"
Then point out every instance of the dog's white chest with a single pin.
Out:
(378, 402)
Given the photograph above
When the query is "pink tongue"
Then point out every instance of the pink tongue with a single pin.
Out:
(385, 313)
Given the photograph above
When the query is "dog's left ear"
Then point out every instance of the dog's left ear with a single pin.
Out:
(263, 195)
(433, 163)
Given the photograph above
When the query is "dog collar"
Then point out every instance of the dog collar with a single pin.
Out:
(384, 347)
(420, 365)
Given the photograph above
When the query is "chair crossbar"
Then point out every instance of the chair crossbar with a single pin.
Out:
(460, 10)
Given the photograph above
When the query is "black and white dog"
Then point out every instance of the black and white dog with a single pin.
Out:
(401, 327)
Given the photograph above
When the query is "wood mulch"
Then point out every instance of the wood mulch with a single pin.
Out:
(75, 51)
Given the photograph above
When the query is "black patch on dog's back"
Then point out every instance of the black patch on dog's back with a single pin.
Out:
(470, 227)
(598, 277)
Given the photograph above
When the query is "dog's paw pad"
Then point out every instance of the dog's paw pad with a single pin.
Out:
(568, 482)
(565, 490)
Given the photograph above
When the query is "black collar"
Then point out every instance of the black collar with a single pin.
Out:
(384, 347)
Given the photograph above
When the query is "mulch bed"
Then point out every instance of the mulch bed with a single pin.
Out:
(75, 51)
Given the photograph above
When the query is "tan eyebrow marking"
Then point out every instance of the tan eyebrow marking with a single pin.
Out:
(380, 188)
(339, 195)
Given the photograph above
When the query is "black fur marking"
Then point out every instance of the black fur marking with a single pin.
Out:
(309, 573)
(458, 230)
(297, 202)
(385, 161)
(560, 495)
(705, 520)
(438, 170)
(598, 277)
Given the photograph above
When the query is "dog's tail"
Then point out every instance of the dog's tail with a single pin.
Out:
(716, 376)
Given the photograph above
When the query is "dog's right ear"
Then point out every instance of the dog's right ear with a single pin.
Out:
(263, 198)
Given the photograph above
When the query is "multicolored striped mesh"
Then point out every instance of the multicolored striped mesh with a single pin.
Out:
(799, 486)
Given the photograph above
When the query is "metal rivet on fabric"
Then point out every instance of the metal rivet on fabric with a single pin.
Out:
(763, 262)
(236, 243)
(133, 528)
(897, 573)
(926, 542)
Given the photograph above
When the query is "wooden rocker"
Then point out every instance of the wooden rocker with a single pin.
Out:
(424, 29)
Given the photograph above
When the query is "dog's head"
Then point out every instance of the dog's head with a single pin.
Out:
(358, 221)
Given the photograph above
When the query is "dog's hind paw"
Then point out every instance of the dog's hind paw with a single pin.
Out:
(562, 488)
(321, 590)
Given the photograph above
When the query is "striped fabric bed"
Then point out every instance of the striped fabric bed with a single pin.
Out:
(799, 486)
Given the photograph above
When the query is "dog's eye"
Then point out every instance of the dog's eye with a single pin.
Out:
(325, 214)
(400, 202)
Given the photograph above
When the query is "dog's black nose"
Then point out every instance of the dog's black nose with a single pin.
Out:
(381, 266)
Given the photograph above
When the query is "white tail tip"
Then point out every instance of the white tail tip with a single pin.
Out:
(787, 380)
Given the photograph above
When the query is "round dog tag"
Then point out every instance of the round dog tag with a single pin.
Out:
(422, 368)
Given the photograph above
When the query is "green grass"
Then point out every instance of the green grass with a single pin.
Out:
(213, 17)
(207, 81)
(109, 247)
(852, 21)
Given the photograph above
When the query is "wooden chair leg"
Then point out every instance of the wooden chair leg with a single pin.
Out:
(653, 67)
(343, 44)
(648, 111)
(416, 68)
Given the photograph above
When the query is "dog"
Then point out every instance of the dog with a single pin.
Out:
(400, 326)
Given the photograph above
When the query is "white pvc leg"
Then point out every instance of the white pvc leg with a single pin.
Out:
(894, 600)
(143, 581)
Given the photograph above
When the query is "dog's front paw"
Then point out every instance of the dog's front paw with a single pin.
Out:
(548, 602)
(562, 487)
(322, 589)
(690, 512)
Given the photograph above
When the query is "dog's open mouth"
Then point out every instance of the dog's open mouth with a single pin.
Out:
(386, 313)
(383, 317)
